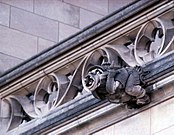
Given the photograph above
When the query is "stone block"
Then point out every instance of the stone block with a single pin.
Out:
(168, 131)
(23, 4)
(58, 10)
(162, 116)
(87, 17)
(34, 24)
(7, 62)
(66, 31)
(106, 131)
(4, 14)
(44, 44)
(97, 6)
(17, 44)
(117, 4)
(135, 125)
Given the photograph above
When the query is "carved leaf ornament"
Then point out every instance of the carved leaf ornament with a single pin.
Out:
(147, 42)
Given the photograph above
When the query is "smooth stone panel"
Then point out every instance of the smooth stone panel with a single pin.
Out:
(97, 6)
(4, 14)
(23, 4)
(168, 131)
(17, 44)
(117, 4)
(87, 17)
(7, 62)
(162, 116)
(66, 31)
(136, 125)
(44, 44)
(34, 24)
(58, 10)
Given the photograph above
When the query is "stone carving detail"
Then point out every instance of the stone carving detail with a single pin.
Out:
(12, 114)
(147, 42)
(49, 93)
(153, 39)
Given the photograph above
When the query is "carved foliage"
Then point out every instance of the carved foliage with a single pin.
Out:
(142, 45)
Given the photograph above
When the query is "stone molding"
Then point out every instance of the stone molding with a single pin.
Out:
(72, 49)
(43, 90)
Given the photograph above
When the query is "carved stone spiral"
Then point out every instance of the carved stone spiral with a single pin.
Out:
(153, 40)
(137, 47)
(49, 92)
(12, 116)
(92, 67)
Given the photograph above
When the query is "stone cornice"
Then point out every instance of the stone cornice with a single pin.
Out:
(43, 93)
(83, 42)
(90, 112)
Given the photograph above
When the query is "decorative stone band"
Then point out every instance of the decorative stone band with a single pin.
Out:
(139, 45)
(64, 53)
(89, 112)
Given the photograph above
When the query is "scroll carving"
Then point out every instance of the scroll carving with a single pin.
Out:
(147, 42)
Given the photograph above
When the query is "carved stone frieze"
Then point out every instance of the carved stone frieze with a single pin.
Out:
(136, 47)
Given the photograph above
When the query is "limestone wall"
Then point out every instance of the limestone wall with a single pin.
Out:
(29, 26)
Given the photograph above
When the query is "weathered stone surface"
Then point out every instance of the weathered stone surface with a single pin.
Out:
(18, 44)
(44, 44)
(34, 24)
(66, 31)
(167, 131)
(65, 111)
(107, 131)
(162, 116)
(58, 10)
(87, 17)
(116, 4)
(4, 14)
(136, 125)
(98, 6)
(7, 62)
(24, 4)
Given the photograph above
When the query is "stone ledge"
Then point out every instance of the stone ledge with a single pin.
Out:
(120, 113)
(76, 40)
(62, 114)
(105, 114)
(86, 108)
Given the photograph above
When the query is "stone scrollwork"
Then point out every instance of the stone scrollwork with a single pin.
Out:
(94, 61)
(153, 40)
(111, 78)
(12, 114)
(95, 70)
(104, 72)
(49, 92)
